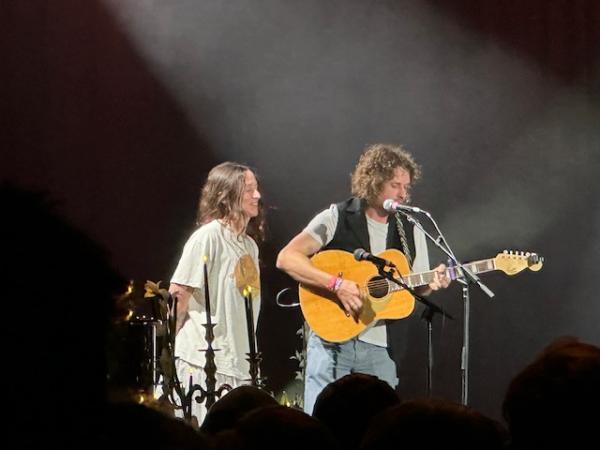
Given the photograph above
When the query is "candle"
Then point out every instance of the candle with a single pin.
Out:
(206, 294)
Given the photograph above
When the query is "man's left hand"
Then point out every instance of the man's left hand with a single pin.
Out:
(441, 280)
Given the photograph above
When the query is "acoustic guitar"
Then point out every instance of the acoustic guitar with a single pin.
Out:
(383, 299)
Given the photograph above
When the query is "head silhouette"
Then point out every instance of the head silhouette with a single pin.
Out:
(432, 424)
(549, 401)
(59, 296)
(347, 406)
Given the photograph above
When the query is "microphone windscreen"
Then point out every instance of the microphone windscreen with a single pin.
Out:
(358, 254)
(388, 205)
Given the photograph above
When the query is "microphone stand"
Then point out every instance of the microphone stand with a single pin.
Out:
(430, 310)
(464, 276)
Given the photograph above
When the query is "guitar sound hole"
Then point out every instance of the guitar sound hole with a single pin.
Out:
(378, 287)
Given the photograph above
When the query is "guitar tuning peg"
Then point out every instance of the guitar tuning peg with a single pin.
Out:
(505, 252)
(528, 254)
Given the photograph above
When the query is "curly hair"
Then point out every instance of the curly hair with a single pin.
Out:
(376, 166)
(221, 198)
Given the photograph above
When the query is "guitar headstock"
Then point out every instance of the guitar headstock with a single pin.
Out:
(512, 262)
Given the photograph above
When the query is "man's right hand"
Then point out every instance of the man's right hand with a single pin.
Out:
(295, 260)
(349, 295)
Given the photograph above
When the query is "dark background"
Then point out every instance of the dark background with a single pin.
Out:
(119, 108)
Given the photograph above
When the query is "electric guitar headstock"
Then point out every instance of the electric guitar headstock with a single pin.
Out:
(512, 262)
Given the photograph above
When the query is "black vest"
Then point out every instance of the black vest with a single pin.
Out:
(352, 231)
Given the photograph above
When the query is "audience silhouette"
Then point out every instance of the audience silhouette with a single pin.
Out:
(433, 424)
(282, 426)
(554, 401)
(133, 426)
(347, 405)
(60, 288)
(229, 409)
(59, 297)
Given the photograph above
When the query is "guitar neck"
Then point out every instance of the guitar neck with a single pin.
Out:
(423, 278)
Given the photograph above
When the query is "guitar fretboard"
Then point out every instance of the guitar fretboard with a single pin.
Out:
(423, 278)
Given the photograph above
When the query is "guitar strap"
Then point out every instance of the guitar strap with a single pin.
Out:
(403, 241)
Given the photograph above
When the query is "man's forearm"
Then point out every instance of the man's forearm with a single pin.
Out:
(299, 267)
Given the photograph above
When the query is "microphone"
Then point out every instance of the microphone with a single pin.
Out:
(360, 254)
(393, 206)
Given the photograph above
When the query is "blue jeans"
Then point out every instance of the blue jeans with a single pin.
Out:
(330, 361)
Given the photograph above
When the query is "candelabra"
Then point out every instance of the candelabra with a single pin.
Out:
(172, 386)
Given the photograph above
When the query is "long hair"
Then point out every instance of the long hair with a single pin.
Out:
(376, 166)
(221, 198)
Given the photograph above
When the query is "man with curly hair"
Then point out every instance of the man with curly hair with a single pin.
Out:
(384, 171)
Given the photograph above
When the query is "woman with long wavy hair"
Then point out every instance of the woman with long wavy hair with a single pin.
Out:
(230, 222)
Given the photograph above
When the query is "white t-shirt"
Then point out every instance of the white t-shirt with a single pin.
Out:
(322, 228)
(223, 249)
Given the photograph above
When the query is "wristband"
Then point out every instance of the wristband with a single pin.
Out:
(338, 283)
(331, 283)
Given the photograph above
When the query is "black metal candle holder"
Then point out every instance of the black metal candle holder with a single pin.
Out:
(172, 386)
(254, 357)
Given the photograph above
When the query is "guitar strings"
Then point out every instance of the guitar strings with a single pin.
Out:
(380, 283)
(383, 282)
